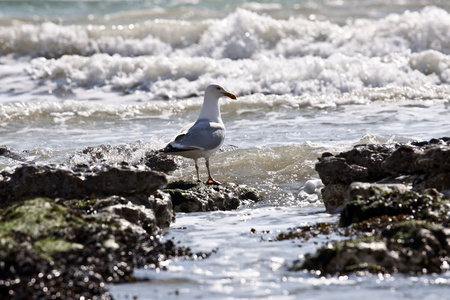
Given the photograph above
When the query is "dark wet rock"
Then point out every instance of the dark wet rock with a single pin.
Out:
(336, 193)
(420, 165)
(99, 225)
(195, 197)
(65, 233)
(142, 217)
(396, 229)
(163, 209)
(126, 154)
(158, 162)
(52, 250)
(370, 157)
(348, 256)
(28, 181)
(398, 216)
(335, 170)
(11, 153)
(411, 247)
(375, 200)
(401, 161)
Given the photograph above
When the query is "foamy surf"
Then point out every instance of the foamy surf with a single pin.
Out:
(241, 34)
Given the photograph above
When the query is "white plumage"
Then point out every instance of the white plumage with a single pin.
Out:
(205, 136)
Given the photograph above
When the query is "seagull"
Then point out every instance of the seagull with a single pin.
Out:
(205, 136)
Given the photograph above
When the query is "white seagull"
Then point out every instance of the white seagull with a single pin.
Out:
(205, 136)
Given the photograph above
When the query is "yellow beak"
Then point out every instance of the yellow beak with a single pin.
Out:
(230, 95)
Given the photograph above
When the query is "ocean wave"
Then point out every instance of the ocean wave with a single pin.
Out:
(51, 112)
(246, 52)
(180, 77)
(242, 34)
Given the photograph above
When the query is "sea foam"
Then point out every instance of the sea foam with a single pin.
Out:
(245, 51)
(242, 34)
(179, 77)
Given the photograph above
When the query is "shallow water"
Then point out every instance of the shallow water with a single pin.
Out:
(250, 266)
(310, 76)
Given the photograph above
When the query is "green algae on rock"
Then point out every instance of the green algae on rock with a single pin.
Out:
(407, 247)
(48, 249)
(395, 200)
(375, 200)
(38, 217)
(420, 165)
(407, 233)
(189, 196)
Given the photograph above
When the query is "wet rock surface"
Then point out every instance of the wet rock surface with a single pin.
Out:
(67, 232)
(399, 218)
(28, 181)
(63, 250)
(395, 229)
(129, 154)
(420, 165)
(198, 197)
(367, 201)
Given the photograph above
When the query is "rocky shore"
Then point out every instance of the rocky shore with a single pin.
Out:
(67, 232)
(394, 202)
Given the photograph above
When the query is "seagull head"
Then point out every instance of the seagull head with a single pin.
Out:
(216, 91)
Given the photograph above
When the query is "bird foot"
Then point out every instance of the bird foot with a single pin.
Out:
(212, 181)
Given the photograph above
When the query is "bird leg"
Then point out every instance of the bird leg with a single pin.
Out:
(196, 168)
(210, 179)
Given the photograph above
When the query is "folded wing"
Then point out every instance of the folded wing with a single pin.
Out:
(201, 136)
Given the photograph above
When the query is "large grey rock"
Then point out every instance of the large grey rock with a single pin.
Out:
(29, 181)
(195, 197)
(398, 218)
(392, 228)
(411, 247)
(71, 249)
(419, 165)
(127, 154)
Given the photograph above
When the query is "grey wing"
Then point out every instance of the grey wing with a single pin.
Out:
(202, 135)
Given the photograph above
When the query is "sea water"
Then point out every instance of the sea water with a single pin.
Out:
(310, 76)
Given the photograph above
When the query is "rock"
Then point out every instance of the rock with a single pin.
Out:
(132, 154)
(163, 209)
(396, 229)
(50, 250)
(398, 217)
(370, 157)
(366, 200)
(411, 247)
(334, 170)
(11, 153)
(375, 200)
(401, 161)
(421, 165)
(196, 197)
(142, 217)
(336, 194)
(28, 181)
(347, 256)
(159, 162)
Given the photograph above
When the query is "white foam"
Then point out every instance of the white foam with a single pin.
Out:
(165, 109)
(180, 77)
(246, 52)
(242, 34)
(432, 63)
